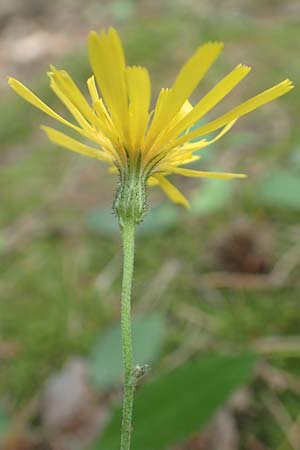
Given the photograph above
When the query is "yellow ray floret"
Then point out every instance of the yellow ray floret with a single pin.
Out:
(93, 89)
(239, 111)
(62, 80)
(189, 77)
(139, 94)
(199, 145)
(172, 192)
(213, 97)
(108, 63)
(118, 121)
(30, 97)
(203, 174)
(66, 141)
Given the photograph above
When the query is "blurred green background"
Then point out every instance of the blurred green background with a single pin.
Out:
(224, 276)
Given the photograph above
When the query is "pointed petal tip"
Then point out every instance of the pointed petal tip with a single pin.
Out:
(11, 81)
(44, 128)
(92, 36)
(47, 131)
(183, 202)
(112, 31)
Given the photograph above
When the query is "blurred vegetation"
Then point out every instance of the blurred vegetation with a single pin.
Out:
(60, 271)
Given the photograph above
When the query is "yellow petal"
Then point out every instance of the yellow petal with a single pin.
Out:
(184, 111)
(139, 92)
(187, 80)
(80, 109)
(159, 116)
(204, 174)
(108, 64)
(212, 98)
(105, 123)
(171, 157)
(246, 107)
(31, 98)
(168, 164)
(65, 141)
(68, 88)
(152, 181)
(194, 146)
(70, 106)
(192, 73)
(172, 192)
(93, 89)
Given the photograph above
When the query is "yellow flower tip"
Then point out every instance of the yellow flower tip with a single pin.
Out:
(181, 200)
(54, 70)
(112, 32)
(284, 87)
(244, 68)
(215, 45)
(45, 129)
(288, 84)
(92, 33)
(49, 132)
(13, 83)
(92, 38)
(18, 87)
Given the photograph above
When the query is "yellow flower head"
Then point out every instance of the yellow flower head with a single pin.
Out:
(126, 135)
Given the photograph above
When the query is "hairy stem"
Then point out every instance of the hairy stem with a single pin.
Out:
(128, 231)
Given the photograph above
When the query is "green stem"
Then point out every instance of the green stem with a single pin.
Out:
(129, 379)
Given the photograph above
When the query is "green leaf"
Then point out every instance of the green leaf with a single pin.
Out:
(212, 196)
(280, 189)
(169, 409)
(105, 363)
(158, 219)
